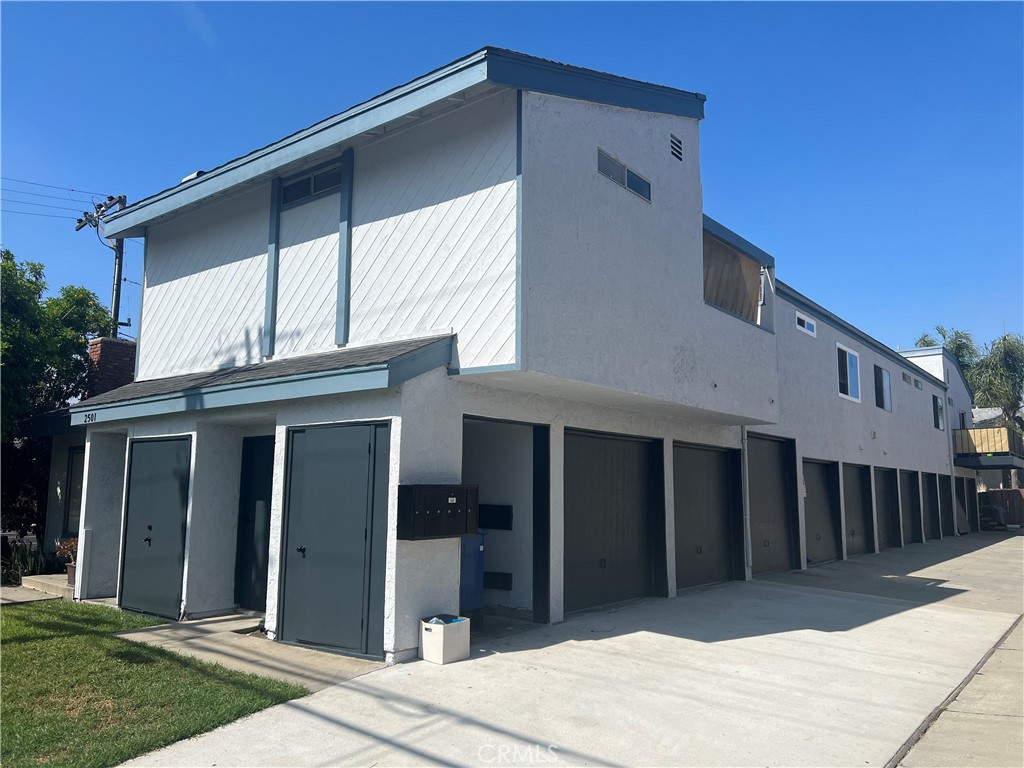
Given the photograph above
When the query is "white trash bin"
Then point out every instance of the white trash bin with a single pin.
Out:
(445, 642)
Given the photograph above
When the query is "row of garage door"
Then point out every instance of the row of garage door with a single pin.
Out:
(615, 527)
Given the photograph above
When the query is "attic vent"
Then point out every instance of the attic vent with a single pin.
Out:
(676, 145)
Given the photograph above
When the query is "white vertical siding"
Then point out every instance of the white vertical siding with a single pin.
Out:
(205, 288)
(307, 277)
(434, 232)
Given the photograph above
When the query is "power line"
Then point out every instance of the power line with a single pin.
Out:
(44, 215)
(40, 194)
(51, 186)
(40, 205)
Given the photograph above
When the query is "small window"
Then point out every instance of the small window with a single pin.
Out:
(883, 389)
(938, 412)
(625, 177)
(907, 379)
(806, 324)
(311, 185)
(638, 184)
(327, 180)
(73, 490)
(849, 372)
(295, 191)
(918, 384)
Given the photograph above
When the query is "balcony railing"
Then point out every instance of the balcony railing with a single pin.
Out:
(988, 442)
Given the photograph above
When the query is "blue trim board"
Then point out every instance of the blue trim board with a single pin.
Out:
(488, 65)
(484, 369)
(341, 326)
(817, 311)
(730, 238)
(270, 310)
(519, 227)
(142, 296)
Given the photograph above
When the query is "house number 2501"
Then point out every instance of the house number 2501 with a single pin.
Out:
(90, 418)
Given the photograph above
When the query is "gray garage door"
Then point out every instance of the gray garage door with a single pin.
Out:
(946, 505)
(154, 537)
(860, 533)
(253, 547)
(708, 517)
(910, 507)
(930, 487)
(612, 507)
(335, 529)
(887, 508)
(821, 512)
(771, 465)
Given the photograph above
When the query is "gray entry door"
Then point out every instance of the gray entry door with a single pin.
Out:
(887, 508)
(910, 507)
(253, 549)
(860, 533)
(929, 483)
(972, 504)
(334, 542)
(821, 512)
(708, 547)
(609, 505)
(771, 468)
(155, 519)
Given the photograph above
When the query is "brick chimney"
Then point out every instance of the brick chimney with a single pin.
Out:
(111, 364)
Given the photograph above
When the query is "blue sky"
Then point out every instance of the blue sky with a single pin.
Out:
(874, 149)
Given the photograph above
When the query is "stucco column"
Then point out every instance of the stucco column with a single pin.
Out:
(668, 458)
(874, 509)
(102, 508)
(557, 554)
(842, 511)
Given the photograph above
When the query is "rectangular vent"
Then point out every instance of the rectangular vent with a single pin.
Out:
(676, 145)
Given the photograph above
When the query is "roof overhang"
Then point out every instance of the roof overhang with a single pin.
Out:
(381, 375)
(489, 66)
(738, 242)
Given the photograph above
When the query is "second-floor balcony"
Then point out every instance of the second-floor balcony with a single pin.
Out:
(988, 448)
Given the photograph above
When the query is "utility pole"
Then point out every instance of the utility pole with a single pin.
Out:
(93, 219)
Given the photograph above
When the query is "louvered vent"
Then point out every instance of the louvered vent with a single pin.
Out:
(676, 145)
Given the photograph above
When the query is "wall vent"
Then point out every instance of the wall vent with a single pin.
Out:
(676, 146)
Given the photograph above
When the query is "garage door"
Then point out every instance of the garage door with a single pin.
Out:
(930, 498)
(972, 504)
(962, 523)
(154, 536)
(946, 505)
(335, 530)
(821, 511)
(613, 512)
(772, 487)
(708, 518)
(910, 507)
(860, 532)
(887, 508)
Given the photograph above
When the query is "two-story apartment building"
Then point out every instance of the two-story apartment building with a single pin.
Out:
(499, 274)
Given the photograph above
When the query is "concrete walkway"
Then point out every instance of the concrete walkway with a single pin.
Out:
(22, 594)
(841, 673)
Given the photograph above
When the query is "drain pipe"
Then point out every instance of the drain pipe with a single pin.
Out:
(748, 562)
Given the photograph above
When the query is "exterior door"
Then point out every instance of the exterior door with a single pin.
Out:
(821, 512)
(972, 504)
(910, 507)
(887, 508)
(335, 527)
(253, 550)
(610, 501)
(155, 520)
(860, 533)
(946, 505)
(707, 502)
(932, 524)
(771, 468)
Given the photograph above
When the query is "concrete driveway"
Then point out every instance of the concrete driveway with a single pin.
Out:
(838, 666)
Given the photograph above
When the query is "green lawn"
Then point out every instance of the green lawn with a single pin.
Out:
(73, 694)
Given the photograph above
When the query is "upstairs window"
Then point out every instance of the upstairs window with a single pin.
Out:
(806, 324)
(883, 389)
(849, 372)
(938, 413)
(732, 280)
(314, 184)
(611, 168)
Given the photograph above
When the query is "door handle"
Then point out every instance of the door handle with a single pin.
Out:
(301, 551)
(149, 540)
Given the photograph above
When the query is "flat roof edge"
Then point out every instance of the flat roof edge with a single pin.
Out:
(738, 242)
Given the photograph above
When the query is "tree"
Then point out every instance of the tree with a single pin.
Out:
(998, 379)
(960, 344)
(43, 342)
(43, 365)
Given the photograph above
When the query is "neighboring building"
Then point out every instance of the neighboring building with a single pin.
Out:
(500, 275)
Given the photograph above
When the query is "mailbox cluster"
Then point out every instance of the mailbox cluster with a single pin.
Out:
(437, 511)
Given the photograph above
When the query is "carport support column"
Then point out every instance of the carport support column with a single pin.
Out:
(102, 508)
(668, 464)
(842, 512)
(801, 508)
(748, 552)
(874, 508)
(557, 552)
(276, 532)
(921, 499)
